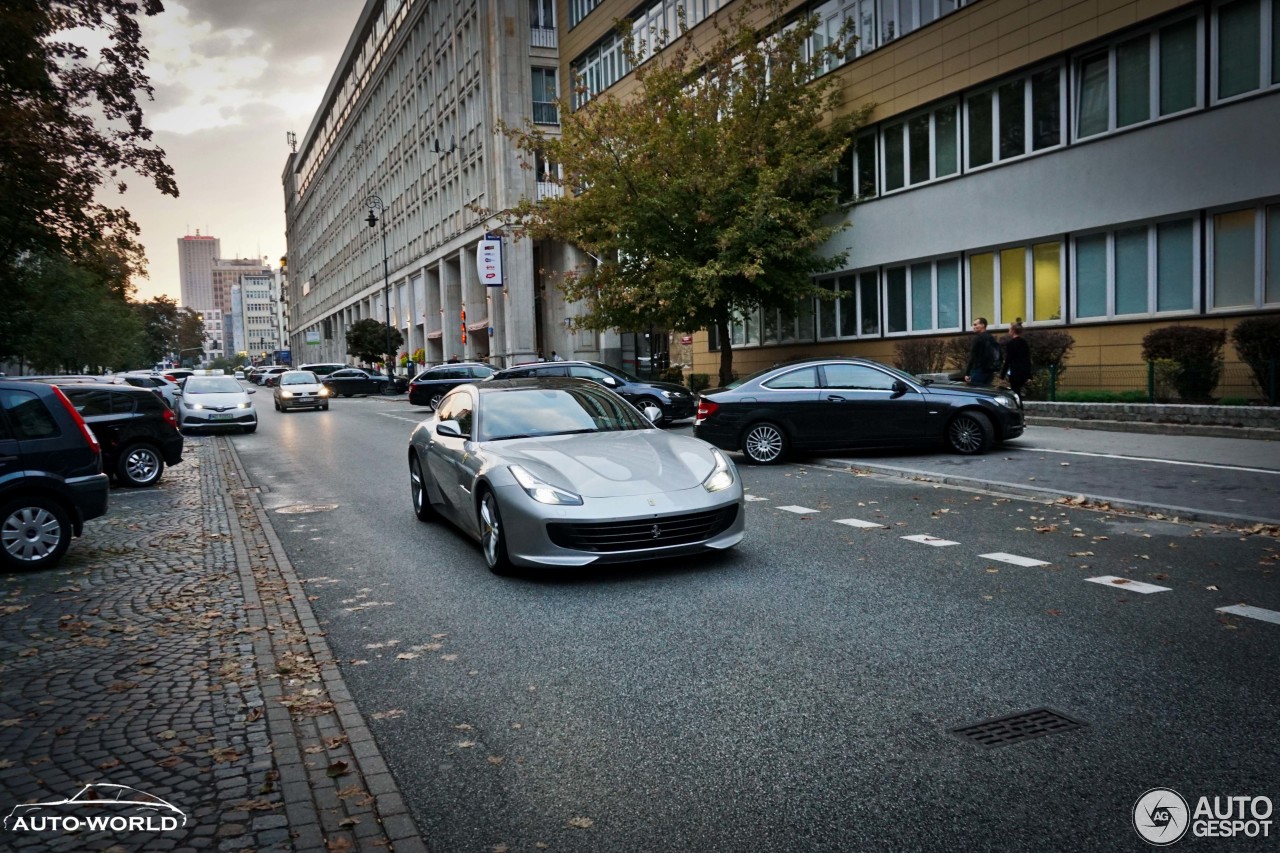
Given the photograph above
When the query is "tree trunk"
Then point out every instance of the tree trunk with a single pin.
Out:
(726, 352)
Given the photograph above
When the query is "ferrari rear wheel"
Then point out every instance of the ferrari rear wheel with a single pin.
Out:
(492, 540)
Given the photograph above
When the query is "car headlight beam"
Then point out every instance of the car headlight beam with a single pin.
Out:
(542, 491)
(721, 477)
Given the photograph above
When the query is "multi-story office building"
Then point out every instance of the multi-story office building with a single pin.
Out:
(408, 138)
(196, 254)
(1105, 167)
(255, 302)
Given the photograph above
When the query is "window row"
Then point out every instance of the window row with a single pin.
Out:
(1146, 77)
(1130, 272)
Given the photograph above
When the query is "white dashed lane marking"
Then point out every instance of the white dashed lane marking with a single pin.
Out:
(754, 498)
(925, 539)
(1013, 558)
(798, 510)
(1252, 612)
(857, 522)
(1128, 585)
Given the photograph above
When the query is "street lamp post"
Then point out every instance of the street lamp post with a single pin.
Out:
(375, 202)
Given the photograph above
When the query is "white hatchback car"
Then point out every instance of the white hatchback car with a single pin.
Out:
(300, 389)
(216, 402)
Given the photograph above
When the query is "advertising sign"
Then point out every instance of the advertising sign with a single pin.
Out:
(489, 262)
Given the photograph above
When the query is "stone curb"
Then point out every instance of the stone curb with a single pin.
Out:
(1152, 428)
(321, 796)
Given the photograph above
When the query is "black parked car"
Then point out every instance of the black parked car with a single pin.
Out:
(137, 430)
(430, 386)
(357, 380)
(851, 403)
(675, 401)
(51, 479)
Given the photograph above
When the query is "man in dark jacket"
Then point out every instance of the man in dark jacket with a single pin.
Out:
(984, 355)
(1017, 359)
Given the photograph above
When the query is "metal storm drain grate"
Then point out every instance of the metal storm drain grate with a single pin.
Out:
(1016, 728)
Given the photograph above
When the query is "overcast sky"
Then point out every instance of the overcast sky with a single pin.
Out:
(231, 78)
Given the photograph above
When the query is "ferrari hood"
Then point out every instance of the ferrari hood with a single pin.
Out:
(612, 464)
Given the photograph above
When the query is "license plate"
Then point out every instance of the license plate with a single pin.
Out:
(221, 416)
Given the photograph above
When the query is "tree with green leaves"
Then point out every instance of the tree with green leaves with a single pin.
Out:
(708, 190)
(70, 126)
(367, 340)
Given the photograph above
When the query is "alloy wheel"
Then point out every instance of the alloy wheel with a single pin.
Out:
(764, 444)
(32, 533)
(141, 466)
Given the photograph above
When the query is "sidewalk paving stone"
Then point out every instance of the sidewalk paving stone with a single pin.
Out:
(174, 651)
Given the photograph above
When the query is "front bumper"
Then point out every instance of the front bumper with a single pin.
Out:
(219, 420)
(304, 401)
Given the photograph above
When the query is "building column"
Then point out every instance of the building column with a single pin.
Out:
(519, 328)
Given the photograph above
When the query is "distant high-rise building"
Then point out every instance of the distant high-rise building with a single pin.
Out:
(196, 255)
(226, 274)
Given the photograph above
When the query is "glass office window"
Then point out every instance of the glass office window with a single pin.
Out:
(1095, 85)
(921, 297)
(1047, 281)
(865, 165)
(1178, 64)
(1013, 285)
(1175, 272)
(1133, 81)
(949, 294)
(1046, 109)
(869, 303)
(894, 175)
(980, 117)
(1239, 47)
(1013, 117)
(1271, 289)
(848, 307)
(827, 309)
(982, 285)
(895, 299)
(918, 146)
(945, 128)
(1131, 271)
(1234, 262)
(1091, 276)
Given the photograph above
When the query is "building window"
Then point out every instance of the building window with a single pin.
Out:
(1135, 271)
(1020, 282)
(854, 310)
(1148, 76)
(1015, 118)
(923, 297)
(1245, 258)
(921, 148)
(544, 96)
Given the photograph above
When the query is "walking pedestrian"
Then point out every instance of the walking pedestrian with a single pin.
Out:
(1017, 359)
(984, 355)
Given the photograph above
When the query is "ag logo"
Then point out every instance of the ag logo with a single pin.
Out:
(1161, 817)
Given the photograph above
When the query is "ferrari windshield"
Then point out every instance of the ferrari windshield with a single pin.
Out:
(531, 412)
(212, 385)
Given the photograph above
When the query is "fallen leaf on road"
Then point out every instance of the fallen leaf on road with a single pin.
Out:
(1054, 612)
(466, 744)
(337, 768)
(1121, 581)
(581, 822)
(1212, 588)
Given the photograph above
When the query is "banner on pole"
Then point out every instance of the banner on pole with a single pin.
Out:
(489, 262)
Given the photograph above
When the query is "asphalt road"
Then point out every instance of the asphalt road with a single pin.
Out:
(800, 692)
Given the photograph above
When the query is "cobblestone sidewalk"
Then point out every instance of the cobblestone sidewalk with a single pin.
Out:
(174, 652)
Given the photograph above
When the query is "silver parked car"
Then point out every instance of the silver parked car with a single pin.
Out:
(564, 472)
(300, 389)
(216, 402)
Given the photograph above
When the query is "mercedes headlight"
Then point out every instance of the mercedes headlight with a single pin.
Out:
(542, 491)
(721, 477)
(1007, 402)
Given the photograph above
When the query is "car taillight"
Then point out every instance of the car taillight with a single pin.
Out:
(169, 417)
(706, 408)
(75, 416)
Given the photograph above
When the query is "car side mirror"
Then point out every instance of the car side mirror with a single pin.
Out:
(899, 388)
(253, 391)
(610, 381)
(653, 413)
(449, 429)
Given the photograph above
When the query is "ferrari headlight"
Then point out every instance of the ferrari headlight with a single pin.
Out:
(542, 491)
(721, 477)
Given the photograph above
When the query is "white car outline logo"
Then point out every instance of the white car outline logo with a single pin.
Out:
(102, 794)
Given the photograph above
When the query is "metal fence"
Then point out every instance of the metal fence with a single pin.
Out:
(1156, 382)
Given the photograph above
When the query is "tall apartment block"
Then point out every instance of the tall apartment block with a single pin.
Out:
(196, 254)
(407, 137)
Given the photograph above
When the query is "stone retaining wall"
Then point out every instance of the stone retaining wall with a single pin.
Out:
(1244, 421)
